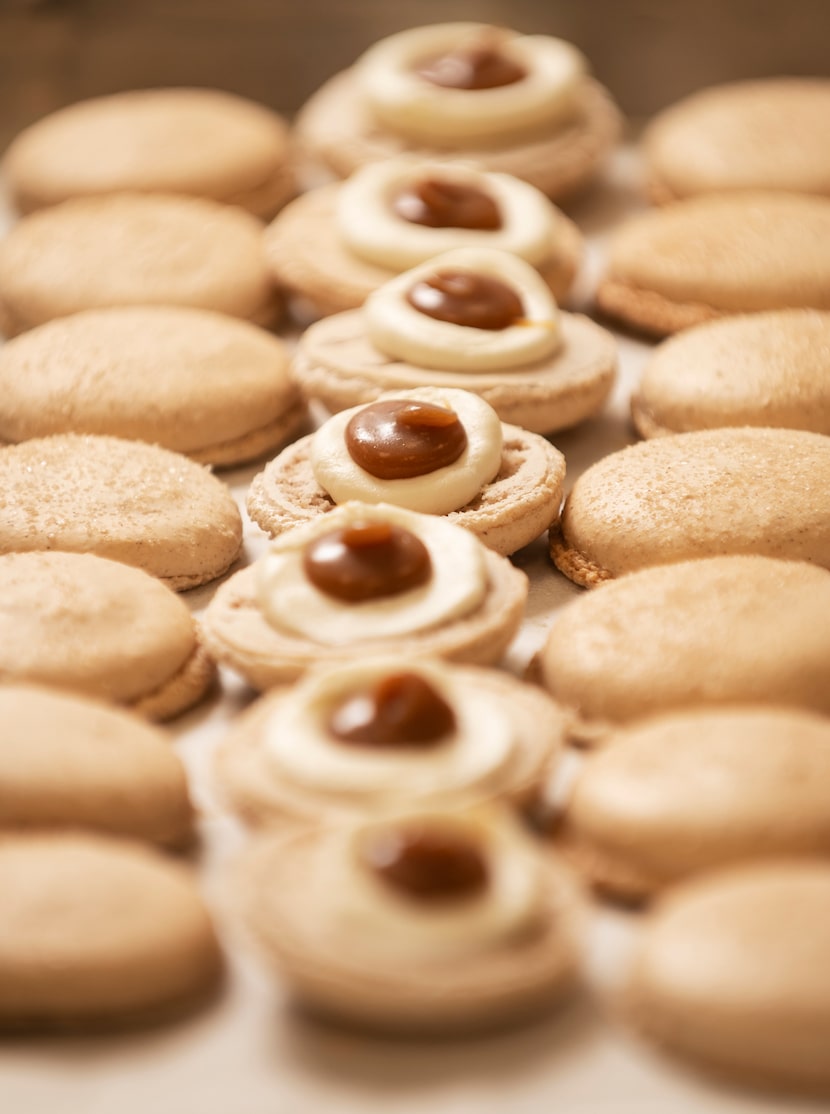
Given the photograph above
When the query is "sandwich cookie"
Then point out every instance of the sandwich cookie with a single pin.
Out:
(199, 142)
(70, 762)
(732, 973)
(356, 740)
(723, 254)
(720, 630)
(134, 249)
(768, 135)
(96, 932)
(124, 500)
(480, 320)
(365, 579)
(433, 450)
(210, 386)
(431, 922)
(764, 369)
(702, 494)
(689, 791)
(96, 627)
(518, 104)
(334, 245)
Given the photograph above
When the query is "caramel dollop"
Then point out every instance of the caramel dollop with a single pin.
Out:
(466, 298)
(367, 561)
(402, 709)
(428, 862)
(400, 438)
(438, 203)
(473, 67)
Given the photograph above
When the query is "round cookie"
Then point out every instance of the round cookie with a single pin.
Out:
(511, 510)
(772, 134)
(732, 973)
(96, 627)
(210, 386)
(134, 249)
(310, 257)
(715, 255)
(502, 740)
(765, 369)
(560, 156)
(125, 500)
(720, 630)
(396, 962)
(764, 491)
(199, 142)
(69, 762)
(271, 623)
(689, 791)
(96, 931)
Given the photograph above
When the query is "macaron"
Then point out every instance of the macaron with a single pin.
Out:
(198, 142)
(701, 494)
(769, 135)
(70, 762)
(732, 974)
(762, 369)
(97, 932)
(134, 249)
(102, 629)
(201, 383)
(720, 630)
(518, 104)
(709, 256)
(125, 500)
(693, 790)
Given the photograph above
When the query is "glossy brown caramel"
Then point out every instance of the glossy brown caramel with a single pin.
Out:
(465, 298)
(367, 561)
(400, 438)
(428, 862)
(402, 709)
(442, 204)
(473, 67)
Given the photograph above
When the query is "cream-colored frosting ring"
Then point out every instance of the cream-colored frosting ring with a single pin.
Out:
(291, 603)
(406, 103)
(473, 756)
(370, 227)
(403, 332)
(438, 492)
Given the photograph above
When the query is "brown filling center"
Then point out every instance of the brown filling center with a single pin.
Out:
(427, 862)
(475, 67)
(402, 709)
(438, 204)
(401, 438)
(465, 298)
(367, 561)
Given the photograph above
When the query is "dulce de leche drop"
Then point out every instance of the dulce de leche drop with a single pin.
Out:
(402, 709)
(473, 67)
(367, 561)
(465, 298)
(428, 862)
(442, 204)
(401, 438)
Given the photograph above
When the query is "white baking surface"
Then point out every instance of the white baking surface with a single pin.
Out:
(251, 1053)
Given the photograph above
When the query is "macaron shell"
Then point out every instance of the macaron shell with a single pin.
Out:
(733, 973)
(765, 369)
(95, 930)
(124, 500)
(701, 494)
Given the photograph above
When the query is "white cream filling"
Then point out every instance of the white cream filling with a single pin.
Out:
(408, 104)
(439, 492)
(377, 919)
(291, 603)
(372, 230)
(401, 331)
(473, 756)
